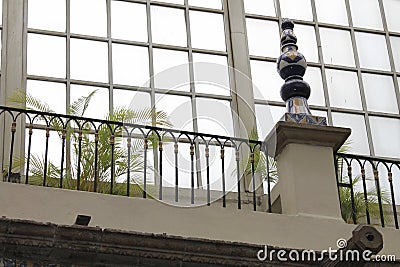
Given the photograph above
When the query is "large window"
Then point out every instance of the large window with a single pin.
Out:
(129, 48)
(175, 56)
(170, 55)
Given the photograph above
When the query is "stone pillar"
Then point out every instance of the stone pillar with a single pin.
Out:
(242, 87)
(302, 144)
(305, 161)
(13, 77)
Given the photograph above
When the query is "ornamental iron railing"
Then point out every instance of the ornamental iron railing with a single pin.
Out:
(368, 189)
(129, 159)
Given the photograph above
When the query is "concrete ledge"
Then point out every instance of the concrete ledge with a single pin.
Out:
(57, 206)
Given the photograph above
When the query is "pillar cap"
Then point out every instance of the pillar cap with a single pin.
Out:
(285, 133)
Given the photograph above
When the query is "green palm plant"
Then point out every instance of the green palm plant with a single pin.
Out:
(359, 202)
(260, 163)
(87, 148)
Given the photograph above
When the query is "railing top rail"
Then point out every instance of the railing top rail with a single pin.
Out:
(134, 125)
(368, 158)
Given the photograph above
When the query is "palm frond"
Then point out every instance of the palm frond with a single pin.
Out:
(360, 205)
(22, 99)
(79, 106)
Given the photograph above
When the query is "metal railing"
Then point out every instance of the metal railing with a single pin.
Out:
(367, 189)
(152, 162)
(130, 159)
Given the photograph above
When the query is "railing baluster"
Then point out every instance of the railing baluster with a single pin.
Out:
(96, 155)
(128, 171)
(146, 146)
(336, 160)
(78, 180)
(160, 149)
(13, 130)
(207, 152)
(378, 191)
(28, 158)
(365, 195)
(253, 180)
(112, 144)
(390, 178)
(176, 172)
(238, 178)
(63, 136)
(223, 177)
(46, 154)
(353, 204)
(191, 173)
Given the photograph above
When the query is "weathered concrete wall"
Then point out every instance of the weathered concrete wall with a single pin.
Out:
(150, 216)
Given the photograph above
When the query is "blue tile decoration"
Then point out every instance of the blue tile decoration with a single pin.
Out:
(304, 118)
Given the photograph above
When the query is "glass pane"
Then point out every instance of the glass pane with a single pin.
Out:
(263, 37)
(211, 74)
(379, 93)
(53, 94)
(299, 9)
(168, 26)
(180, 113)
(214, 116)
(366, 14)
(130, 65)
(1, 12)
(89, 17)
(46, 55)
(307, 42)
(319, 113)
(332, 11)
(136, 101)
(89, 60)
(392, 8)
(332, 39)
(98, 107)
(128, 21)
(266, 80)
(372, 50)
(260, 7)
(313, 78)
(207, 30)
(180, 2)
(395, 43)
(131, 99)
(343, 89)
(171, 69)
(385, 133)
(267, 117)
(358, 141)
(206, 3)
(47, 14)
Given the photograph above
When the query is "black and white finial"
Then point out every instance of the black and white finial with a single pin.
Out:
(291, 67)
